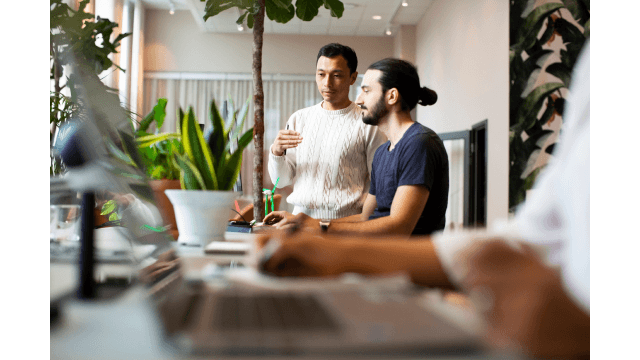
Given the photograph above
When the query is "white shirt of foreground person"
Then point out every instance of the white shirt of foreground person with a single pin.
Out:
(555, 219)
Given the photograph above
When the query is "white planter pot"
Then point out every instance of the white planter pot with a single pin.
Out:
(201, 215)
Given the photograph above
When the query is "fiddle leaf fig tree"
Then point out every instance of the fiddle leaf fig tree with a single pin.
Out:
(77, 35)
(253, 12)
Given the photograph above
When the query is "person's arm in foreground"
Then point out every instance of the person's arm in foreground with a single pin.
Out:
(304, 255)
(523, 302)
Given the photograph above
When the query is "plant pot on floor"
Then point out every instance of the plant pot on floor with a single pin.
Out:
(201, 215)
(164, 205)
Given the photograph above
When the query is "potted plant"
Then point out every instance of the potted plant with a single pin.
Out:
(209, 168)
(161, 168)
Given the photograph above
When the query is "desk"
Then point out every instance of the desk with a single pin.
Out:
(127, 328)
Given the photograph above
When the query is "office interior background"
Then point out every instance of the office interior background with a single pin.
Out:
(461, 50)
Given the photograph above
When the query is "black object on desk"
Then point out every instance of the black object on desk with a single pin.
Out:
(87, 288)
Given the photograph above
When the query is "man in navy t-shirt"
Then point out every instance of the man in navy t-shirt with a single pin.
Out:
(410, 172)
(418, 158)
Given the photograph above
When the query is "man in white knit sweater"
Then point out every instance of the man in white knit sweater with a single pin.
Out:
(326, 150)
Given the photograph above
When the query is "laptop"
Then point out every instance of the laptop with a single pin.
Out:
(241, 311)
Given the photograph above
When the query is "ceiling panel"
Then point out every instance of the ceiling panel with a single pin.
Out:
(356, 19)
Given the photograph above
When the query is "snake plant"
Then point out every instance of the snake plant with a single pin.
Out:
(210, 162)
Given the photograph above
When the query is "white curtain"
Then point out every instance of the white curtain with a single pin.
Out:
(283, 95)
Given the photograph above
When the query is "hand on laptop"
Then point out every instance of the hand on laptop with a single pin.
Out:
(524, 303)
(286, 221)
(303, 255)
(167, 262)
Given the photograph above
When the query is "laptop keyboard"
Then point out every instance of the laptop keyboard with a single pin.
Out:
(268, 312)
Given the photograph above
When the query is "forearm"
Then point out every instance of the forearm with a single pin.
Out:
(387, 225)
(281, 167)
(417, 258)
(348, 219)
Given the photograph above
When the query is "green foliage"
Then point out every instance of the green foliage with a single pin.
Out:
(75, 36)
(156, 150)
(112, 211)
(281, 11)
(204, 163)
(530, 29)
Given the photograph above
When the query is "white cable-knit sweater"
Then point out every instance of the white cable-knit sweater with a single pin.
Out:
(330, 169)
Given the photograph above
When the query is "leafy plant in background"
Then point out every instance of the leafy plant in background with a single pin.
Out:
(75, 35)
(212, 162)
(157, 156)
(527, 56)
(253, 11)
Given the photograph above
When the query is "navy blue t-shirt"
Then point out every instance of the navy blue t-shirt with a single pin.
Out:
(419, 158)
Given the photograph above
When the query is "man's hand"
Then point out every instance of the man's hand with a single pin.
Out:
(283, 220)
(286, 139)
(275, 217)
(302, 254)
(524, 303)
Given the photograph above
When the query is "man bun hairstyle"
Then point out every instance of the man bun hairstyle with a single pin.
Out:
(334, 49)
(403, 76)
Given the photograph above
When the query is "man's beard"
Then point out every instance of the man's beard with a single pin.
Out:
(376, 114)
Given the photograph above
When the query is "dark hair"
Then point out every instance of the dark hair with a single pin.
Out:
(335, 49)
(403, 76)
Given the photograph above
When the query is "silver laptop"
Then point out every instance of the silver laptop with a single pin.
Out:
(223, 314)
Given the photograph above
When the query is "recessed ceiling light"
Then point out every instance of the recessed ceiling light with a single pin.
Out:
(377, 17)
(404, 3)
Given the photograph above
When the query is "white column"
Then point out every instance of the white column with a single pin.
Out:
(136, 58)
(124, 82)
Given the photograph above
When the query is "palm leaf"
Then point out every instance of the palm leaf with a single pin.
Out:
(197, 150)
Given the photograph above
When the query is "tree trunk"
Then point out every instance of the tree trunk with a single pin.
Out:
(258, 106)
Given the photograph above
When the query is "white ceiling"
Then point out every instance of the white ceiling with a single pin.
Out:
(357, 18)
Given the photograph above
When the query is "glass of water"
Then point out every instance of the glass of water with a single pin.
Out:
(65, 223)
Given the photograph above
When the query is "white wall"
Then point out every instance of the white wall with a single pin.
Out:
(462, 53)
(175, 43)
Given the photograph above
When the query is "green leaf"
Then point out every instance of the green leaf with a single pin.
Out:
(549, 149)
(216, 141)
(306, 10)
(190, 177)
(283, 4)
(530, 28)
(250, 21)
(180, 116)
(197, 150)
(108, 207)
(335, 6)
(159, 112)
(241, 18)
(560, 71)
(587, 29)
(148, 140)
(228, 173)
(146, 121)
(528, 111)
(114, 217)
(278, 14)
(242, 115)
(578, 10)
(569, 32)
